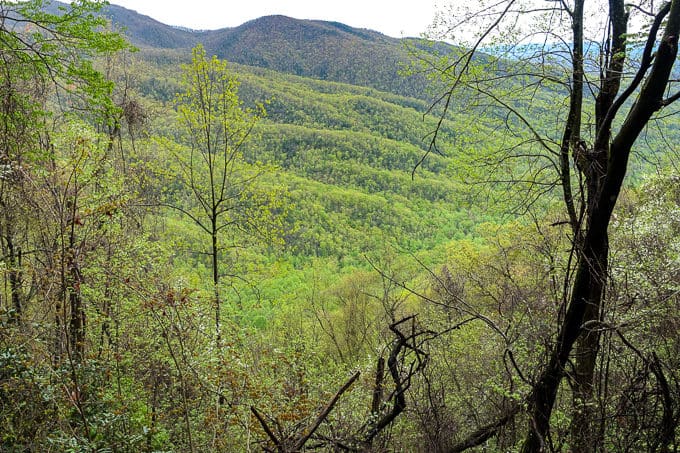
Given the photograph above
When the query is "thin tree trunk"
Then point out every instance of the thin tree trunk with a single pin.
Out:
(545, 390)
(77, 317)
(73, 280)
(584, 429)
(15, 279)
(216, 282)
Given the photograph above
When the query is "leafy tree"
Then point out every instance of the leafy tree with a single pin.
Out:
(225, 196)
(608, 97)
(46, 70)
(60, 201)
(58, 49)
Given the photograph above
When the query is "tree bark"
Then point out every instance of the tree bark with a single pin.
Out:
(15, 278)
(587, 291)
(216, 279)
(77, 315)
(585, 434)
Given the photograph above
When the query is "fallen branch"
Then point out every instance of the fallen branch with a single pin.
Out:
(485, 432)
(307, 433)
(264, 425)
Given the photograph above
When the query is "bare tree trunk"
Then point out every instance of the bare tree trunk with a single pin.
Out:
(584, 429)
(15, 278)
(587, 292)
(594, 257)
(77, 314)
(216, 281)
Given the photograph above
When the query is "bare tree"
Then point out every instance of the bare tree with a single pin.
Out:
(405, 360)
(609, 99)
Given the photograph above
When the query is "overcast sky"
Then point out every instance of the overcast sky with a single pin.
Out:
(395, 18)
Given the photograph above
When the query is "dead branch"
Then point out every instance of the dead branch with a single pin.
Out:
(307, 433)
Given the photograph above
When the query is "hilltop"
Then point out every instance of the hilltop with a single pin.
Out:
(310, 48)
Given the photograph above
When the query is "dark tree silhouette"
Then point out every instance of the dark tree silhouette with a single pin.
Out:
(589, 177)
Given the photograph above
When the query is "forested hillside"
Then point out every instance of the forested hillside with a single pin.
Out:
(323, 238)
(348, 155)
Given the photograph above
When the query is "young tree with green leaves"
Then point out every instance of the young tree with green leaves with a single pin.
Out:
(227, 203)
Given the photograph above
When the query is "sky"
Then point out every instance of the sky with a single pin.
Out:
(396, 18)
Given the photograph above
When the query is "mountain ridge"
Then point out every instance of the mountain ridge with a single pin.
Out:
(325, 50)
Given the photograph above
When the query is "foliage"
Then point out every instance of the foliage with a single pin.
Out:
(370, 293)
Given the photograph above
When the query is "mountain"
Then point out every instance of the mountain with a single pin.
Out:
(309, 48)
(322, 50)
(144, 31)
(344, 128)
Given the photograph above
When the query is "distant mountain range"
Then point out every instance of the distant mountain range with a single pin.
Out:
(310, 48)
